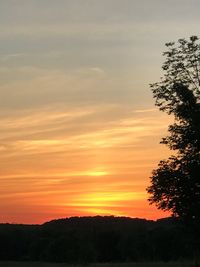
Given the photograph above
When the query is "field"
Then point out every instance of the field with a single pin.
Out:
(43, 264)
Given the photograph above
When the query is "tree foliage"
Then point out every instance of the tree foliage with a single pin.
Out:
(175, 184)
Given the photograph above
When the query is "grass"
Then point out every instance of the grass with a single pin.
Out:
(43, 264)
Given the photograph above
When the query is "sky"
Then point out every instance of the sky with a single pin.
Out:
(79, 131)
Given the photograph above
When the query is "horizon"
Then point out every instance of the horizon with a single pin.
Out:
(79, 129)
(88, 217)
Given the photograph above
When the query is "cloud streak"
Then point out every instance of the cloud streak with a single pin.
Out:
(72, 156)
(79, 133)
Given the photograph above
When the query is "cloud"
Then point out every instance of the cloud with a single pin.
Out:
(51, 131)
(29, 87)
(146, 110)
(76, 113)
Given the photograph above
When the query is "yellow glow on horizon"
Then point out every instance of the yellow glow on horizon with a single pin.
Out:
(63, 172)
(106, 199)
(102, 211)
(96, 173)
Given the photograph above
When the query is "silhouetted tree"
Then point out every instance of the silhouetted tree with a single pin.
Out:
(175, 184)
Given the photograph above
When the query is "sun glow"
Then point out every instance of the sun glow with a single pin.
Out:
(106, 199)
(106, 203)
(96, 173)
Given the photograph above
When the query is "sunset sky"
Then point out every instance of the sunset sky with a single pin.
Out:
(79, 130)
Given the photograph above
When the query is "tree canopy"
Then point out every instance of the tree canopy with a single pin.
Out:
(175, 184)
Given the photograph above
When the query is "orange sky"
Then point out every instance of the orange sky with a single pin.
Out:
(51, 169)
(79, 132)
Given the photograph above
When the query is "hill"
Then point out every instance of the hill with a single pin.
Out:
(98, 239)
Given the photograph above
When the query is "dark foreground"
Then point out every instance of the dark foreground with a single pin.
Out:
(87, 240)
(42, 264)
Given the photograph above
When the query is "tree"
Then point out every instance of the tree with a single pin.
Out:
(175, 184)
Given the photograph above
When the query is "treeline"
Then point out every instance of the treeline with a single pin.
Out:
(99, 239)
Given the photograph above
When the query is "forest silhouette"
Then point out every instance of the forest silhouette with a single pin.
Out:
(99, 239)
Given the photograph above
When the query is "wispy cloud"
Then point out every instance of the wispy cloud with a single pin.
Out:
(60, 154)
(50, 131)
(146, 110)
(79, 133)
